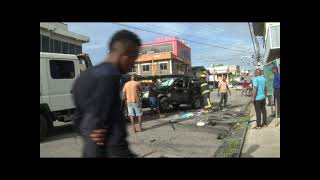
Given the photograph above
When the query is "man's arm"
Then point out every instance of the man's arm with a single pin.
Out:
(140, 87)
(219, 86)
(228, 89)
(266, 89)
(254, 93)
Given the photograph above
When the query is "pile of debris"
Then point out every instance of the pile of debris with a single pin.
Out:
(201, 119)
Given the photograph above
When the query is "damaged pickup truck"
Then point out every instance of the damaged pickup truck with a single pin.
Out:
(174, 92)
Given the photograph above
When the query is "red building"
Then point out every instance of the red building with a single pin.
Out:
(167, 56)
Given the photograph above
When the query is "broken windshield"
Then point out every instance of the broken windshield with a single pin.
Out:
(167, 82)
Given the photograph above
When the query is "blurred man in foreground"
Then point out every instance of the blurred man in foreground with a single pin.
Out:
(98, 117)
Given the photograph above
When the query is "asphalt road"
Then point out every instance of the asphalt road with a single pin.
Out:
(159, 139)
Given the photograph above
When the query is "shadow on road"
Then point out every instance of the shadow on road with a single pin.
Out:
(250, 150)
(158, 126)
(60, 132)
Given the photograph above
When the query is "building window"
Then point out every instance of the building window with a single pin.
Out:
(72, 49)
(178, 67)
(64, 48)
(62, 69)
(135, 68)
(159, 48)
(45, 44)
(184, 53)
(163, 66)
(57, 46)
(145, 67)
(40, 44)
(78, 49)
(51, 48)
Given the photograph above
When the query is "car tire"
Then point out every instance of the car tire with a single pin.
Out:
(43, 127)
(176, 106)
(197, 103)
(164, 104)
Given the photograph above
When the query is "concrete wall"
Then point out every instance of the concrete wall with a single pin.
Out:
(272, 41)
(53, 26)
(59, 31)
(59, 37)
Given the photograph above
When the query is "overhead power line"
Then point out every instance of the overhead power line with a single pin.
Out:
(192, 35)
(163, 34)
(254, 47)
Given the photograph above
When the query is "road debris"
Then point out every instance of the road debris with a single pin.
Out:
(201, 123)
(186, 115)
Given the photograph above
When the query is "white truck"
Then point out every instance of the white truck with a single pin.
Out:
(57, 75)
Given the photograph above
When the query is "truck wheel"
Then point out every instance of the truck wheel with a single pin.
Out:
(164, 104)
(197, 103)
(43, 127)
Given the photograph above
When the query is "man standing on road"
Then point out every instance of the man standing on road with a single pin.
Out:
(153, 99)
(132, 93)
(276, 87)
(259, 98)
(222, 91)
(98, 117)
(205, 93)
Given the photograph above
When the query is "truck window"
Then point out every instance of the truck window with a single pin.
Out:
(62, 69)
(180, 83)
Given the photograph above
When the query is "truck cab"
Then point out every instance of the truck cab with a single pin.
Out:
(58, 72)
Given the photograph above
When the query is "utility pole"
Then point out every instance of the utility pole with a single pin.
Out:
(152, 69)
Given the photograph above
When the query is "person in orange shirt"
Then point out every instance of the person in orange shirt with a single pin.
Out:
(132, 93)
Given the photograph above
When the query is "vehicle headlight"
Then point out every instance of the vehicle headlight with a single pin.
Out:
(169, 95)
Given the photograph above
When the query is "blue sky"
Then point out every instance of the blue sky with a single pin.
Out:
(235, 36)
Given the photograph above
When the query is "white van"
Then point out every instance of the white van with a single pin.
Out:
(57, 75)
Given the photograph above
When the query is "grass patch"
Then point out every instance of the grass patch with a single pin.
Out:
(241, 123)
(230, 148)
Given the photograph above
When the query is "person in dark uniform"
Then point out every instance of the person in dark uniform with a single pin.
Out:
(205, 93)
(98, 117)
(276, 87)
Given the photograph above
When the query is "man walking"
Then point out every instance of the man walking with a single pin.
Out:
(222, 92)
(98, 117)
(132, 93)
(276, 87)
(259, 98)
